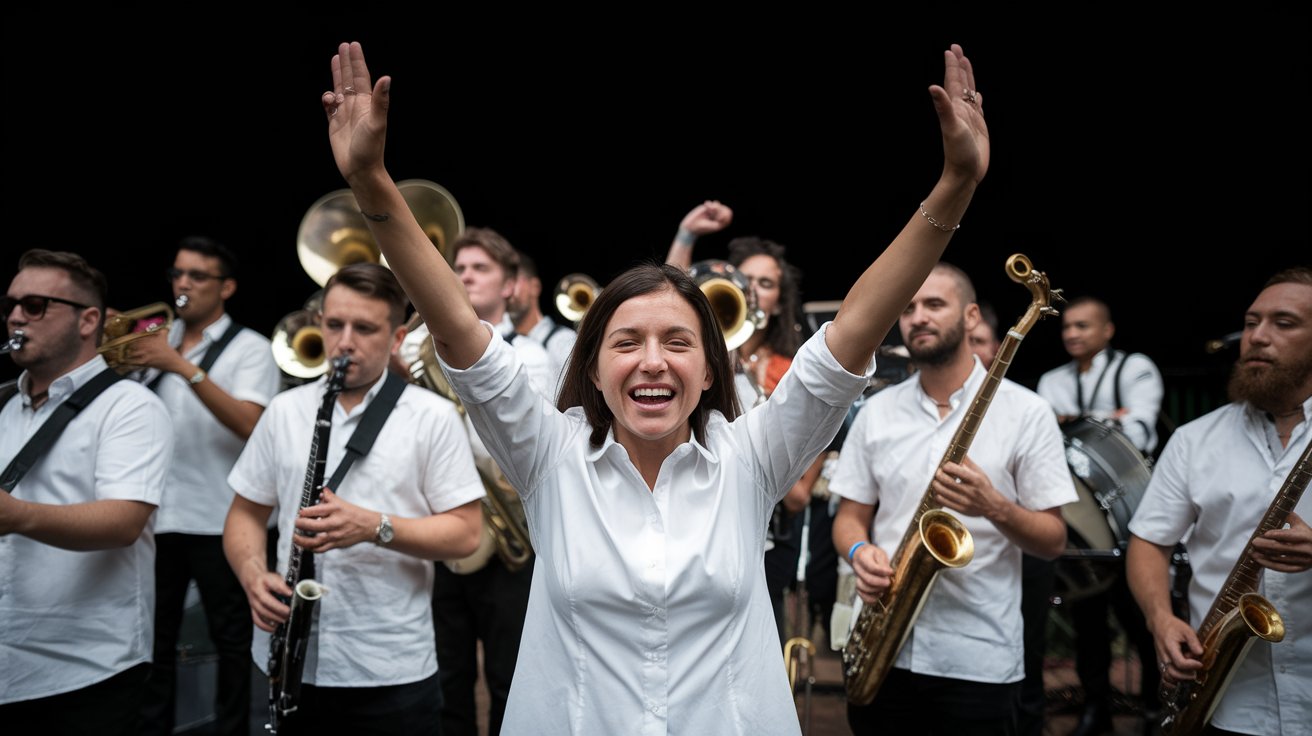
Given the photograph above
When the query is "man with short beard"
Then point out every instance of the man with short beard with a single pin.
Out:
(1215, 480)
(961, 666)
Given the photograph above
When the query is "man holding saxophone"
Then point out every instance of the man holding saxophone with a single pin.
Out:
(77, 546)
(413, 497)
(961, 664)
(1218, 479)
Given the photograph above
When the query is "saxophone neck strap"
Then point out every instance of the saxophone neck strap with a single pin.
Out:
(50, 430)
(375, 416)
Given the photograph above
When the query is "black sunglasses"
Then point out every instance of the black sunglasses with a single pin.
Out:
(198, 277)
(34, 305)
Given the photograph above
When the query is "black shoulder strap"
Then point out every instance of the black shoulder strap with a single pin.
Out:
(1116, 389)
(1116, 380)
(371, 423)
(555, 327)
(53, 426)
(211, 353)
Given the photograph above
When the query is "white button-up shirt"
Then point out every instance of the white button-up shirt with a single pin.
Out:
(71, 619)
(197, 495)
(1217, 476)
(970, 626)
(375, 624)
(1141, 393)
(649, 611)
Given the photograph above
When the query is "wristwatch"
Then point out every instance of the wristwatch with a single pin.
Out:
(197, 377)
(383, 534)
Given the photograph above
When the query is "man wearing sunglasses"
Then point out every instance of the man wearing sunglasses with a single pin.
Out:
(77, 547)
(214, 412)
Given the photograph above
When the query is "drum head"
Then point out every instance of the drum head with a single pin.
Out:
(1112, 469)
(1110, 477)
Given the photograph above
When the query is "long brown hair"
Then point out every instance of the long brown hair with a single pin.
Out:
(646, 278)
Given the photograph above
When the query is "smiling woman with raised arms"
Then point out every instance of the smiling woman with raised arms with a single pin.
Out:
(647, 495)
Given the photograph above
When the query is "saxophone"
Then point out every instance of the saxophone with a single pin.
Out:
(935, 538)
(1238, 614)
(287, 646)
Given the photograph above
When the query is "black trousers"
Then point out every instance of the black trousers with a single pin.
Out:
(403, 710)
(179, 559)
(1036, 587)
(1093, 643)
(110, 707)
(489, 606)
(923, 704)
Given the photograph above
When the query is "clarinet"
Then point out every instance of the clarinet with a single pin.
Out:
(288, 645)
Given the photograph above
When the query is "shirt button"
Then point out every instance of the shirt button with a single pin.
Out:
(1282, 669)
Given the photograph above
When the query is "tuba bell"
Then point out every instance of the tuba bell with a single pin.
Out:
(334, 234)
(731, 298)
(574, 294)
(123, 328)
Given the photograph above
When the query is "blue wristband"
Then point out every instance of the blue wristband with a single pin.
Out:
(853, 550)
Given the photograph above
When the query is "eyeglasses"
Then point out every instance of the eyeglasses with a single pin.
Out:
(198, 277)
(34, 305)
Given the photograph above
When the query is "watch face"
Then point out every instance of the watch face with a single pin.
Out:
(385, 531)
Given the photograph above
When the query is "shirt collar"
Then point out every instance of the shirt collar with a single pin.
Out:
(64, 386)
(595, 453)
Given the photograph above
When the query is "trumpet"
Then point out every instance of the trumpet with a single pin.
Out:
(731, 298)
(14, 344)
(122, 329)
(574, 294)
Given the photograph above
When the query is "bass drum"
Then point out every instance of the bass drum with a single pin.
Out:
(1110, 477)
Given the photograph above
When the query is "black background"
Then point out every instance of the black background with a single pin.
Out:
(1159, 162)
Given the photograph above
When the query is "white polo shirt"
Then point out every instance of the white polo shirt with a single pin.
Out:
(197, 495)
(1217, 477)
(648, 612)
(72, 619)
(375, 623)
(970, 626)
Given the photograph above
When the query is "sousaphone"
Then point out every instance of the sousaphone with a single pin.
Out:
(333, 233)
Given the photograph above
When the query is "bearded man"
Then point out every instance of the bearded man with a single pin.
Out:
(1215, 480)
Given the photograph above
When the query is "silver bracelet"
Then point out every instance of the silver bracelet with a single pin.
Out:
(936, 223)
